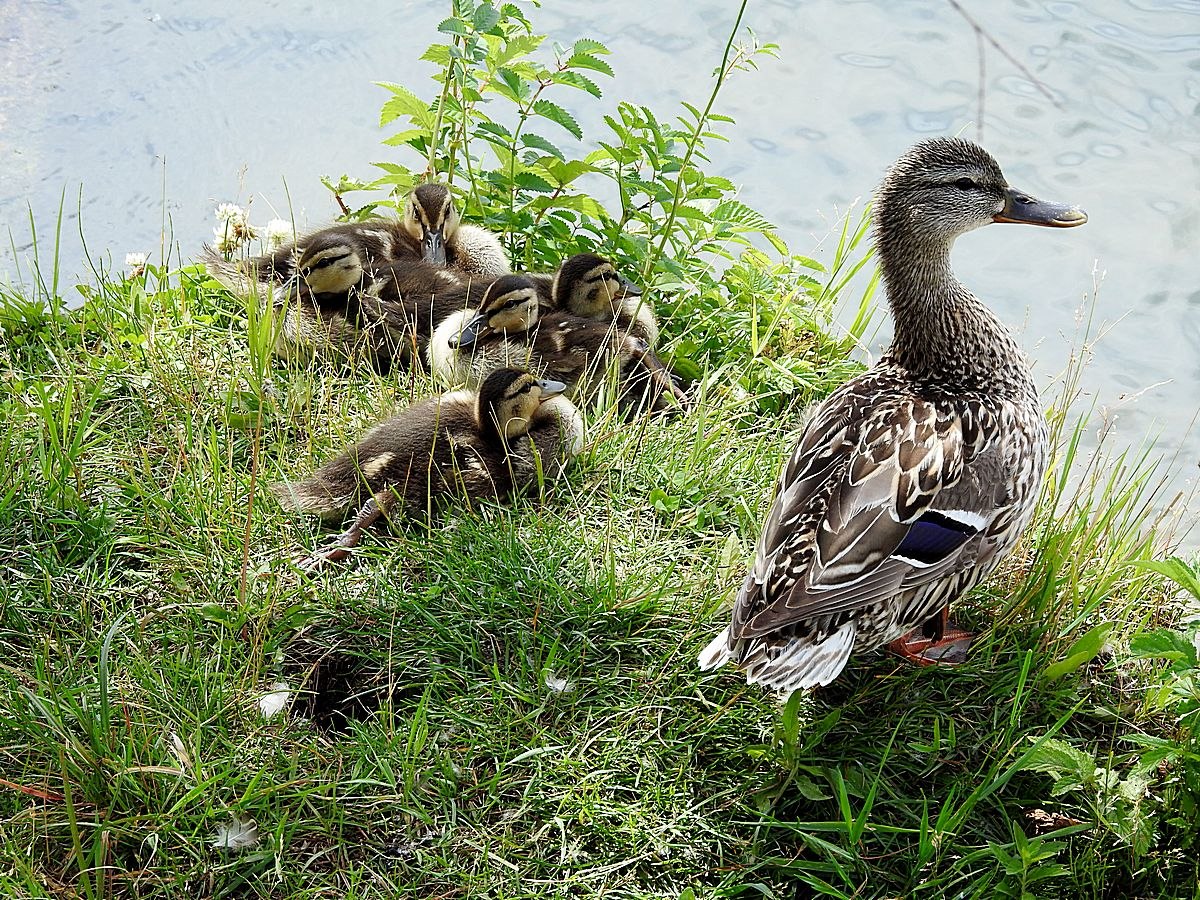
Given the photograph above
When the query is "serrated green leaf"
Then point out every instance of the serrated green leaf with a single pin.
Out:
(1162, 644)
(777, 242)
(493, 131)
(1058, 758)
(486, 17)
(576, 80)
(566, 172)
(537, 142)
(403, 137)
(439, 55)
(586, 61)
(453, 26)
(509, 83)
(549, 110)
(589, 45)
(517, 47)
(403, 102)
(533, 182)
(578, 202)
(1175, 569)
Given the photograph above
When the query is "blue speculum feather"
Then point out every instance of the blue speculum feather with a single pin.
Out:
(933, 537)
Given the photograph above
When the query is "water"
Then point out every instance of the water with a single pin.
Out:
(158, 114)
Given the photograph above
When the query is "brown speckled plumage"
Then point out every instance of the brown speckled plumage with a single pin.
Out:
(911, 482)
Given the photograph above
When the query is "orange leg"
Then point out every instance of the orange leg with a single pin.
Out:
(942, 644)
(339, 548)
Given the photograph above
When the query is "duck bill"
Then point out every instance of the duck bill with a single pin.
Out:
(1026, 210)
(629, 289)
(471, 333)
(433, 248)
(551, 388)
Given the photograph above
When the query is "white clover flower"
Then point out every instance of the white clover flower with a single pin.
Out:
(226, 239)
(136, 264)
(558, 685)
(279, 232)
(231, 212)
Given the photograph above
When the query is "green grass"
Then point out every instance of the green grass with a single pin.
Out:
(146, 605)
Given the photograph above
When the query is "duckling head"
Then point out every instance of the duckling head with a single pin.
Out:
(509, 400)
(590, 286)
(510, 304)
(944, 187)
(330, 264)
(430, 217)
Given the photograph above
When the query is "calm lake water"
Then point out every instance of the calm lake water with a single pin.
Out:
(157, 111)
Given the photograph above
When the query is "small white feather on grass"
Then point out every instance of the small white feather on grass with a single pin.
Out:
(236, 834)
(558, 685)
(275, 700)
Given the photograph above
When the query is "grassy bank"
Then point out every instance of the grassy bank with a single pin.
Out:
(505, 704)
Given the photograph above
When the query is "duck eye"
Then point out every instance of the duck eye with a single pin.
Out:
(966, 184)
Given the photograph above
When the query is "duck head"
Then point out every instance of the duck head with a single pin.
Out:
(509, 400)
(510, 305)
(944, 187)
(590, 286)
(330, 264)
(430, 217)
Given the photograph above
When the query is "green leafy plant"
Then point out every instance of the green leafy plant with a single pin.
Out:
(1117, 803)
(1174, 759)
(501, 130)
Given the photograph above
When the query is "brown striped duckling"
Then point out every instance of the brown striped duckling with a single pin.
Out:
(509, 328)
(431, 219)
(911, 482)
(388, 319)
(588, 285)
(464, 445)
(346, 256)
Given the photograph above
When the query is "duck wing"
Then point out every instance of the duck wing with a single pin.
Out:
(869, 505)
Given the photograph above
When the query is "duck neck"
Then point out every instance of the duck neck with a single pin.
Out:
(943, 334)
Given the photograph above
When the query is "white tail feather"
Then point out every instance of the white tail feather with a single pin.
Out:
(717, 653)
(803, 665)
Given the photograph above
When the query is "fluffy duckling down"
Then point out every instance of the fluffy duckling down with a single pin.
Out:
(462, 446)
(509, 328)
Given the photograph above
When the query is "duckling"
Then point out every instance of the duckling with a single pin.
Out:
(589, 285)
(509, 327)
(342, 328)
(911, 482)
(431, 219)
(463, 445)
(341, 257)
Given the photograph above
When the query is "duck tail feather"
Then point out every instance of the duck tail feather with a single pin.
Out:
(311, 495)
(227, 272)
(803, 664)
(717, 653)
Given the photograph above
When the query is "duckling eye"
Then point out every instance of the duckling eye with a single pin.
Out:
(966, 184)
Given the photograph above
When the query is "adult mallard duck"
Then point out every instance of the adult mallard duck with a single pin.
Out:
(910, 483)
(509, 328)
(463, 445)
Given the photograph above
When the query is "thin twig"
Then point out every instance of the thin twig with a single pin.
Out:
(1020, 66)
(982, 82)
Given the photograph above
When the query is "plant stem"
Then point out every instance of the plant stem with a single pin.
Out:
(692, 144)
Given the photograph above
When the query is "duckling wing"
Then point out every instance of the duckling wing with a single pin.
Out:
(869, 505)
